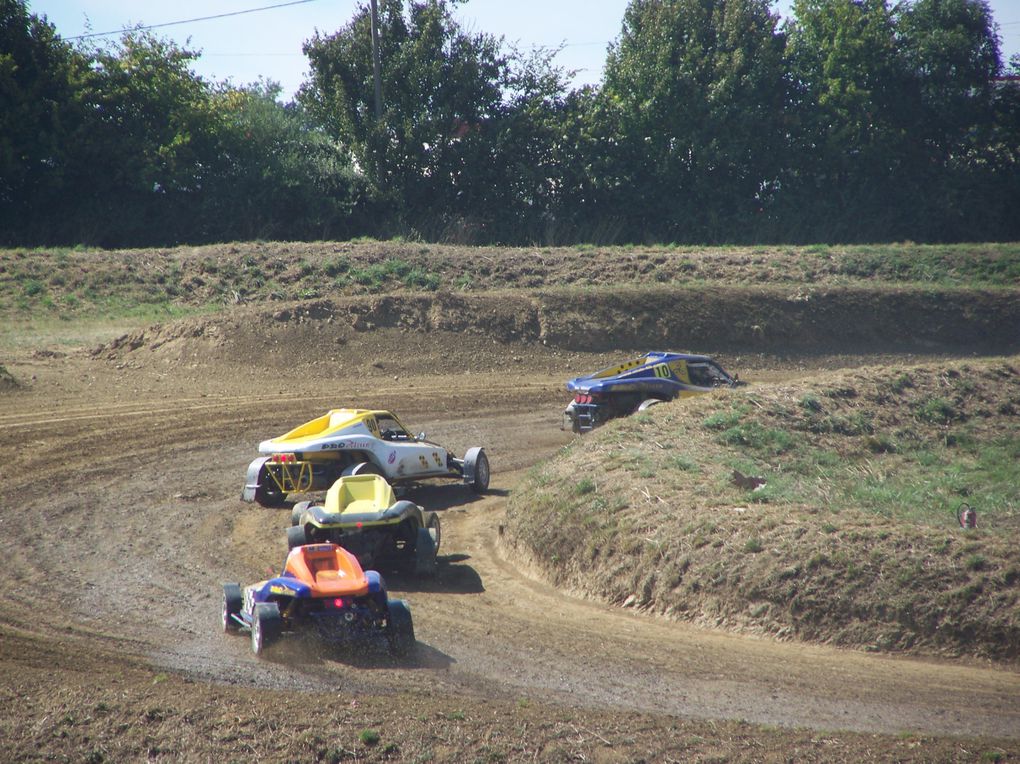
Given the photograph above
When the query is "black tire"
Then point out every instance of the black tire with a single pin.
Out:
(232, 601)
(424, 554)
(266, 627)
(362, 468)
(299, 509)
(478, 467)
(649, 403)
(268, 494)
(296, 536)
(399, 628)
(432, 524)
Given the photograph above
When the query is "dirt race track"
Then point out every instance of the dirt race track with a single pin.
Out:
(121, 517)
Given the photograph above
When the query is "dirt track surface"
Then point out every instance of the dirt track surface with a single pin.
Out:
(131, 519)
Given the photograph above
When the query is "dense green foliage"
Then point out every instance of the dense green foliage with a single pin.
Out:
(858, 120)
(696, 93)
(462, 150)
(127, 146)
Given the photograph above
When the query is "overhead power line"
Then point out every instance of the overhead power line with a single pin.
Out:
(192, 21)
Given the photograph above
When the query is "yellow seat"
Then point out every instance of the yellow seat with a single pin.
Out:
(360, 493)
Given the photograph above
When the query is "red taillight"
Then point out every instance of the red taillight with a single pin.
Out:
(583, 398)
(338, 602)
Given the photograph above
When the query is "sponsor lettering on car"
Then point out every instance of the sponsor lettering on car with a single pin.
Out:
(355, 444)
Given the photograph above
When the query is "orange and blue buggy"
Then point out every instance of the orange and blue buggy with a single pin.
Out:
(322, 590)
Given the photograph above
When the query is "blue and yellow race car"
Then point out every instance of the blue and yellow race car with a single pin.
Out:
(639, 383)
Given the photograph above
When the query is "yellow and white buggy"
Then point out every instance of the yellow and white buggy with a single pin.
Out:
(345, 442)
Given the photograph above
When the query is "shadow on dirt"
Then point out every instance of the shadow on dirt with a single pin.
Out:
(304, 652)
(439, 497)
(451, 578)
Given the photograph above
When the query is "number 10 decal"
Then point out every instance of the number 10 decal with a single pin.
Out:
(661, 370)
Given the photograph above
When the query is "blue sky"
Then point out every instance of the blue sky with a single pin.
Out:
(267, 44)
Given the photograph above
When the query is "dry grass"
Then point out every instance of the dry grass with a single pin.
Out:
(75, 283)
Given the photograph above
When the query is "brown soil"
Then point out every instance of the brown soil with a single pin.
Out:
(121, 517)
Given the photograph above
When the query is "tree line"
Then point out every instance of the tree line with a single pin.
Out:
(853, 121)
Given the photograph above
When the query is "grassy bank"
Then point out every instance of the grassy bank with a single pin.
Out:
(853, 539)
(81, 283)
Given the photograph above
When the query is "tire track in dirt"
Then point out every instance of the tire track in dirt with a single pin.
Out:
(143, 533)
(182, 406)
(589, 654)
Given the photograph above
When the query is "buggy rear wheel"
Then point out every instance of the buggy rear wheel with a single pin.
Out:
(297, 536)
(268, 493)
(266, 626)
(399, 628)
(424, 553)
(432, 524)
(299, 509)
(361, 468)
(232, 600)
(649, 403)
(476, 464)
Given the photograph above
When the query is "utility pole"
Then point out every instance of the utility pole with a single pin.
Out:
(376, 76)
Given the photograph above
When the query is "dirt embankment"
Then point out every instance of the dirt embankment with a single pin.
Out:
(82, 283)
(735, 320)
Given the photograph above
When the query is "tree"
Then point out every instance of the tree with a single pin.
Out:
(894, 108)
(951, 51)
(852, 105)
(38, 72)
(138, 147)
(462, 146)
(272, 175)
(951, 55)
(695, 90)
